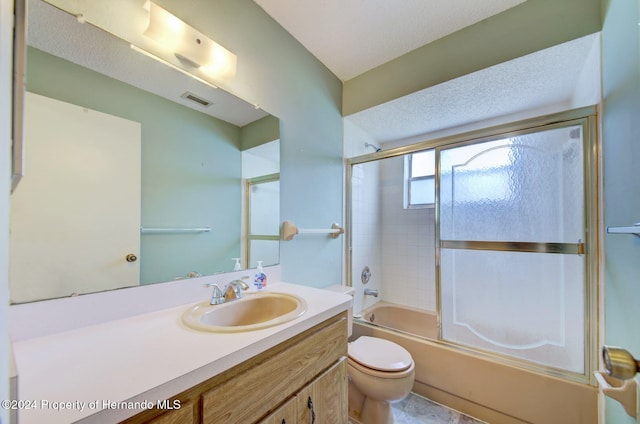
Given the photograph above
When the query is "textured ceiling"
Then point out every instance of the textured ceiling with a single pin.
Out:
(351, 37)
(541, 82)
(58, 33)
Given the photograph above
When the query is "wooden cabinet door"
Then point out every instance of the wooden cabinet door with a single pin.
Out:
(275, 379)
(184, 415)
(286, 414)
(325, 400)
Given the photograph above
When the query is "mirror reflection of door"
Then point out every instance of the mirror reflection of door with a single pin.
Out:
(76, 217)
(261, 204)
(263, 220)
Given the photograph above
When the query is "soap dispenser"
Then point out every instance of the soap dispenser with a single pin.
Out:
(260, 279)
(237, 266)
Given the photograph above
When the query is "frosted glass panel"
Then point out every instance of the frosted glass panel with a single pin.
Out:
(525, 188)
(265, 208)
(526, 305)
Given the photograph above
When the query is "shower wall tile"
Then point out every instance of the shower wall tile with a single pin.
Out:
(366, 236)
(408, 244)
(397, 244)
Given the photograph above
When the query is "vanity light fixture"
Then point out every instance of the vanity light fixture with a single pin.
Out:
(191, 47)
(171, 37)
(171, 65)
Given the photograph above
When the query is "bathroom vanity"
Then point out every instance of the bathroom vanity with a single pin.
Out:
(152, 368)
(302, 377)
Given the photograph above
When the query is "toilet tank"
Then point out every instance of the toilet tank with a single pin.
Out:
(351, 292)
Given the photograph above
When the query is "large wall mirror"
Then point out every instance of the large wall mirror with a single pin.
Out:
(135, 172)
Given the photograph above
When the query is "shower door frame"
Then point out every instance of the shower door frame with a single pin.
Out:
(248, 236)
(587, 118)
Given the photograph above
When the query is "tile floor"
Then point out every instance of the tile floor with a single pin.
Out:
(418, 410)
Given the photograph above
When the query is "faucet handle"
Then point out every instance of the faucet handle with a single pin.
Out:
(216, 295)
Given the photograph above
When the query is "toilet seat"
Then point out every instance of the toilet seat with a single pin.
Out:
(385, 375)
(380, 355)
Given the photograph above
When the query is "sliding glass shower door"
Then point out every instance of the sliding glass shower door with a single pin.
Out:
(499, 240)
(513, 221)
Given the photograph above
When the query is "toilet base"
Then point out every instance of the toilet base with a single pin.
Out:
(365, 410)
(356, 401)
(376, 412)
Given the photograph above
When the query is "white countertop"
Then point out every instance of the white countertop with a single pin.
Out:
(150, 357)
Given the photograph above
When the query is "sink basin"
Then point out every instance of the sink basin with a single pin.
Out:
(253, 312)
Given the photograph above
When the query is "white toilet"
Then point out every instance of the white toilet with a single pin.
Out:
(380, 372)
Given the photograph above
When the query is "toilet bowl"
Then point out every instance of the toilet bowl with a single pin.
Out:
(380, 373)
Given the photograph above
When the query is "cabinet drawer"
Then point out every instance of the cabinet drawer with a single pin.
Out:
(250, 395)
(286, 414)
(184, 415)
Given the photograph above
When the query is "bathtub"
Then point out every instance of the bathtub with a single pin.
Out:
(413, 321)
(476, 385)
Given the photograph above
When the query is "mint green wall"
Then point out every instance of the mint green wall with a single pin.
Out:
(191, 167)
(526, 28)
(259, 132)
(621, 140)
(277, 73)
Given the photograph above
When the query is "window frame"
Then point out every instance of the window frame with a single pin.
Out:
(408, 180)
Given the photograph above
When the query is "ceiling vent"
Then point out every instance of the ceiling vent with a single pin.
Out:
(194, 98)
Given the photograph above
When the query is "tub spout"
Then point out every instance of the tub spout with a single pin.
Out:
(371, 292)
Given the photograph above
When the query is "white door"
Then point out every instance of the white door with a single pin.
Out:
(76, 216)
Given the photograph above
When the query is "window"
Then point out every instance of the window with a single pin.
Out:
(420, 170)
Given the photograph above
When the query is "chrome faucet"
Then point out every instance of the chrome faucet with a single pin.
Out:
(371, 292)
(231, 291)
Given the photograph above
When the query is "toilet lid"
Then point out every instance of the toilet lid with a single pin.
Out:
(379, 354)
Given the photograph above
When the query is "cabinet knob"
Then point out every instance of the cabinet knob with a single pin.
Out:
(131, 257)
